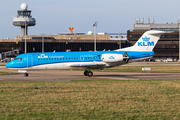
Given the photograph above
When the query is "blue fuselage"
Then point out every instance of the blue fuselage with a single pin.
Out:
(36, 59)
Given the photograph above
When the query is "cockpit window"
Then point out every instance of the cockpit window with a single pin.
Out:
(17, 58)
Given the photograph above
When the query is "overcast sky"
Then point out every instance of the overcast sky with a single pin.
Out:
(113, 16)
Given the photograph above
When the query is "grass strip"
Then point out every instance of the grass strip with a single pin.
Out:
(154, 69)
(144, 99)
(7, 73)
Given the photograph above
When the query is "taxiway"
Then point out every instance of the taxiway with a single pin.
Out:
(66, 75)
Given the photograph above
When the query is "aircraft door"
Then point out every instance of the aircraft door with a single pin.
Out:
(82, 58)
(29, 60)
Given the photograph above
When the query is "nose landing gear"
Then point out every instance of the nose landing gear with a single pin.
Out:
(88, 73)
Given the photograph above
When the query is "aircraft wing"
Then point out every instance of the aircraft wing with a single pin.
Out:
(89, 65)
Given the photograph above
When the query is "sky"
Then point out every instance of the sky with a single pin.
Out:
(113, 16)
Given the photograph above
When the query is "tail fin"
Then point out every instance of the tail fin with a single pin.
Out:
(146, 42)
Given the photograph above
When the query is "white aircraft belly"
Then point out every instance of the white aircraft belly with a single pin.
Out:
(59, 66)
(51, 66)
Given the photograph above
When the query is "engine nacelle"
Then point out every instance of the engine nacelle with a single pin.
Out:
(112, 57)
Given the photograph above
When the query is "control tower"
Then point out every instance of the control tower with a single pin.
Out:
(24, 19)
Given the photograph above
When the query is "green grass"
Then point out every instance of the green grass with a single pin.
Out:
(155, 68)
(7, 73)
(2, 65)
(137, 67)
(153, 99)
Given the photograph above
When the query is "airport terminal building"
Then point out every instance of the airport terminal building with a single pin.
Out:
(68, 43)
(166, 48)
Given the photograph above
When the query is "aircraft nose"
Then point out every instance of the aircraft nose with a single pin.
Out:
(9, 64)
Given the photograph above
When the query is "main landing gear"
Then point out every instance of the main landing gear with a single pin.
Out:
(25, 74)
(88, 73)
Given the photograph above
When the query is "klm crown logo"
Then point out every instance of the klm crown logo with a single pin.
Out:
(146, 42)
(145, 38)
(111, 57)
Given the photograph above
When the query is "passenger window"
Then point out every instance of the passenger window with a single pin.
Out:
(57, 58)
(66, 58)
(49, 58)
(46, 58)
(85, 57)
(74, 58)
(81, 57)
(63, 58)
(78, 58)
(41, 58)
(91, 57)
(54, 58)
(69, 58)
(38, 59)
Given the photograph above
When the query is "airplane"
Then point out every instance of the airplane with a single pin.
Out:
(87, 60)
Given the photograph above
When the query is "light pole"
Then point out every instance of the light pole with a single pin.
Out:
(25, 38)
(120, 42)
(95, 25)
(43, 43)
(179, 39)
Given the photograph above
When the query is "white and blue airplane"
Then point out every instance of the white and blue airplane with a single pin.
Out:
(87, 60)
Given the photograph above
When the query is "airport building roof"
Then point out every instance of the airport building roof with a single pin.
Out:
(148, 26)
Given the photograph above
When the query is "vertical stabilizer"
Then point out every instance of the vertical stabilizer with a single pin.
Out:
(146, 42)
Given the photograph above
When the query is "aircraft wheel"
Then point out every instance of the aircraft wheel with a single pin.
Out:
(90, 74)
(86, 73)
(26, 74)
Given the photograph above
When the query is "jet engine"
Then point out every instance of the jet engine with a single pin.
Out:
(114, 58)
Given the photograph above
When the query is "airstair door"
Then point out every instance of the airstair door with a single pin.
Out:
(29, 60)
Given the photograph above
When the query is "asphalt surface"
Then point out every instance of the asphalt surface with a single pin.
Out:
(67, 75)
